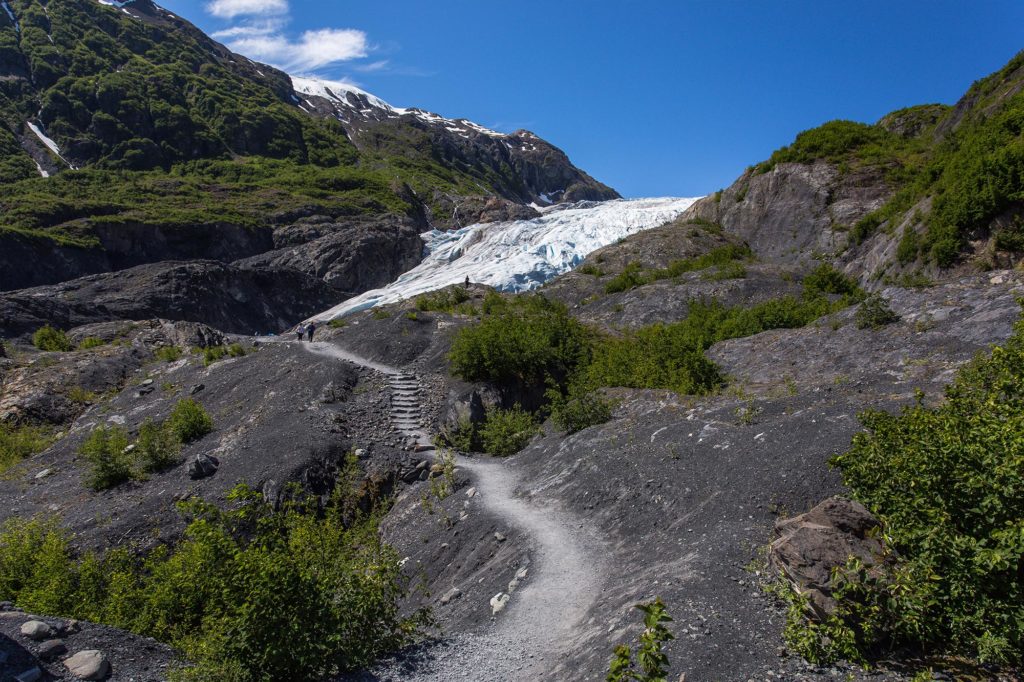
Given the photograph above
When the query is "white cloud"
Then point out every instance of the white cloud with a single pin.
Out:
(314, 50)
(252, 28)
(228, 9)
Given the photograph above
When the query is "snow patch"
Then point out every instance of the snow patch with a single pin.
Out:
(518, 255)
(10, 13)
(51, 145)
(42, 171)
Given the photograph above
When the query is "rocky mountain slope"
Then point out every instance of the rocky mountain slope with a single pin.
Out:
(922, 190)
(127, 137)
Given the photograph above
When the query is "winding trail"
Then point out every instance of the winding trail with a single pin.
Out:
(527, 638)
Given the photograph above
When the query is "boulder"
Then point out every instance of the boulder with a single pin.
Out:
(88, 665)
(37, 630)
(52, 649)
(203, 466)
(808, 546)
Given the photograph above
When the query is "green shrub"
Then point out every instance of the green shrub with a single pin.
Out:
(110, 464)
(651, 663)
(577, 412)
(520, 343)
(212, 354)
(157, 447)
(380, 314)
(20, 442)
(875, 313)
(724, 272)
(445, 300)
(240, 594)
(337, 323)
(91, 342)
(168, 353)
(50, 339)
(909, 246)
(412, 315)
(726, 259)
(948, 484)
(506, 432)
(630, 277)
(825, 279)
(590, 269)
(189, 421)
(463, 437)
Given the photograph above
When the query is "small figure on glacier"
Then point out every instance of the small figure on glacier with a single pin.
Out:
(467, 282)
(310, 329)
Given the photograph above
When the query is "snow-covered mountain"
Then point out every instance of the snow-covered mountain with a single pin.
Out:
(518, 255)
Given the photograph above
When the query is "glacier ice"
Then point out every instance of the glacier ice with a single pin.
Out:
(518, 255)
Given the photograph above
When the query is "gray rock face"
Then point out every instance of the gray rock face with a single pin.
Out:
(794, 210)
(809, 546)
(230, 298)
(349, 258)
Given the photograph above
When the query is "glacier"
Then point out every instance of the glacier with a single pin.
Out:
(518, 255)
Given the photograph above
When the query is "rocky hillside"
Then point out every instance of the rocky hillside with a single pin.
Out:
(922, 190)
(127, 136)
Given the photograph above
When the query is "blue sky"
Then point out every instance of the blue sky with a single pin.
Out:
(653, 98)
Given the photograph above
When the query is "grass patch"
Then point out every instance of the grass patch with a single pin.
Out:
(168, 354)
(90, 342)
(21, 442)
(212, 354)
(726, 258)
(451, 300)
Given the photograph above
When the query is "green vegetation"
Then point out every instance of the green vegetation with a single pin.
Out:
(576, 412)
(590, 269)
(451, 300)
(947, 482)
(50, 339)
(158, 446)
(90, 342)
(189, 421)
(20, 442)
(240, 594)
(168, 353)
(651, 664)
(110, 461)
(726, 258)
(875, 313)
(337, 323)
(506, 432)
(520, 343)
(212, 354)
(837, 142)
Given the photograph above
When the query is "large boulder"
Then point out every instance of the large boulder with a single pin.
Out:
(809, 546)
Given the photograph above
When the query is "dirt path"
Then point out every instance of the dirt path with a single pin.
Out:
(528, 636)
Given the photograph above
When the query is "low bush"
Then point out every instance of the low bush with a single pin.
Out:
(875, 313)
(577, 412)
(520, 343)
(91, 342)
(825, 279)
(189, 421)
(157, 447)
(726, 259)
(168, 353)
(110, 462)
(337, 323)
(506, 432)
(20, 442)
(947, 482)
(450, 300)
(590, 269)
(651, 664)
(212, 354)
(248, 594)
(50, 339)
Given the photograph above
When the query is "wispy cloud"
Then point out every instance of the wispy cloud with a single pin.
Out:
(261, 35)
(229, 9)
(313, 50)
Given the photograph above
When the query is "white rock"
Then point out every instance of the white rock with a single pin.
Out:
(88, 665)
(44, 473)
(36, 630)
(498, 603)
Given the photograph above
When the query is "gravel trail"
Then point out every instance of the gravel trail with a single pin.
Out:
(528, 637)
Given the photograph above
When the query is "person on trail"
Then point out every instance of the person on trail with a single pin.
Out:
(466, 286)
(310, 329)
(299, 331)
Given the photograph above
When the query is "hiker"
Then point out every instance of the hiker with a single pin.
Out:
(310, 329)
(299, 331)
(467, 282)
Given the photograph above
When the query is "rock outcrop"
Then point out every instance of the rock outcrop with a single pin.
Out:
(231, 298)
(810, 546)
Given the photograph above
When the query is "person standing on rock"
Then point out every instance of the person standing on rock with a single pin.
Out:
(310, 329)
(466, 286)
(299, 331)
